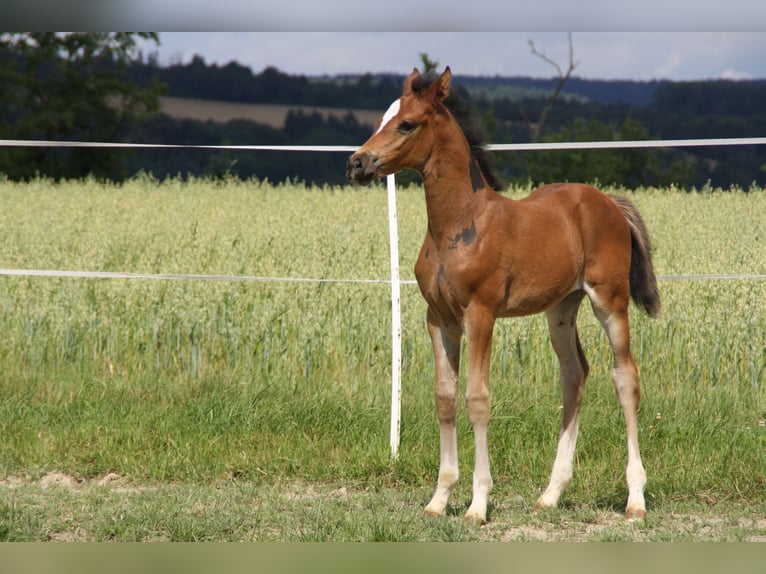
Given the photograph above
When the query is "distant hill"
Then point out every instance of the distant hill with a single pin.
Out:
(235, 82)
(634, 93)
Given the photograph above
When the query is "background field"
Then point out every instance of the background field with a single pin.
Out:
(194, 410)
(273, 115)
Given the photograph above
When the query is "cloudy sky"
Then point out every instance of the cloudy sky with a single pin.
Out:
(647, 39)
(600, 55)
(675, 39)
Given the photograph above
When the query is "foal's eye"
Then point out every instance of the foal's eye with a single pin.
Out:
(407, 126)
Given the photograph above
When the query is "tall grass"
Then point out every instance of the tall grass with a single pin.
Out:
(173, 381)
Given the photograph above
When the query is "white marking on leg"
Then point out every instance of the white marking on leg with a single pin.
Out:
(390, 114)
(636, 477)
(482, 479)
(448, 469)
(561, 475)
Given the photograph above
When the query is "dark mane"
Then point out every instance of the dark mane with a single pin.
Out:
(470, 122)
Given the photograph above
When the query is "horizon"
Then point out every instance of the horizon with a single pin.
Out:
(510, 76)
(635, 56)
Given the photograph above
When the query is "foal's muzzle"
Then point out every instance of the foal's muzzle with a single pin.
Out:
(362, 168)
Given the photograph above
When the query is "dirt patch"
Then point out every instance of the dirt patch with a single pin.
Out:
(109, 479)
(62, 480)
(308, 492)
(525, 533)
(758, 525)
(59, 480)
(573, 531)
(13, 482)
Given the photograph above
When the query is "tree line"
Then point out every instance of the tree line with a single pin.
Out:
(101, 87)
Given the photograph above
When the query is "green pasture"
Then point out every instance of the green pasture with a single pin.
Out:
(139, 409)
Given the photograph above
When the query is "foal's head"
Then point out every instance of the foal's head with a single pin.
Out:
(405, 135)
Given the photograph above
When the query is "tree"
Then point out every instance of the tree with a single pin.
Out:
(428, 64)
(70, 86)
(627, 167)
(536, 128)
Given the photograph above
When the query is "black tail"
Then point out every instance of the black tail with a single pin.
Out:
(643, 281)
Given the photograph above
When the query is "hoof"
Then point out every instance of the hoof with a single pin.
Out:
(634, 514)
(475, 518)
(433, 510)
(542, 505)
(476, 514)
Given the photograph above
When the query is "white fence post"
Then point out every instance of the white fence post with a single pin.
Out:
(396, 319)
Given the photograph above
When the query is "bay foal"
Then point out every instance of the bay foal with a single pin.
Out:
(486, 256)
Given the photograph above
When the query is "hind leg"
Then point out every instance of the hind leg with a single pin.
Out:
(613, 315)
(573, 371)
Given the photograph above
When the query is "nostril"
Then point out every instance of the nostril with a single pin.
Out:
(354, 165)
(361, 167)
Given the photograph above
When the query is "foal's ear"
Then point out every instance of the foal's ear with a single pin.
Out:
(439, 90)
(411, 79)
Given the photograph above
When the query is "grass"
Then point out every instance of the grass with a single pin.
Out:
(327, 512)
(259, 411)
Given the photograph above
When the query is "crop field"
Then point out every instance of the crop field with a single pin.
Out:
(167, 409)
(273, 115)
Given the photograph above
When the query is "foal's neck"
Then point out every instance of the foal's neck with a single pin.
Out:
(455, 189)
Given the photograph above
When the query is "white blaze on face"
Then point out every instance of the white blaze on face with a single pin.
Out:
(391, 112)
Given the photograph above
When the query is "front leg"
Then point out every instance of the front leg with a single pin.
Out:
(446, 346)
(479, 328)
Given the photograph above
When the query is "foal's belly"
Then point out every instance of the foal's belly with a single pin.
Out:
(522, 301)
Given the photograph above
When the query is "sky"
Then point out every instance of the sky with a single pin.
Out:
(613, 39)
(598, 55)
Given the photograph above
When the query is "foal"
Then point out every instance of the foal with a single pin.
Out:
(486, 256)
